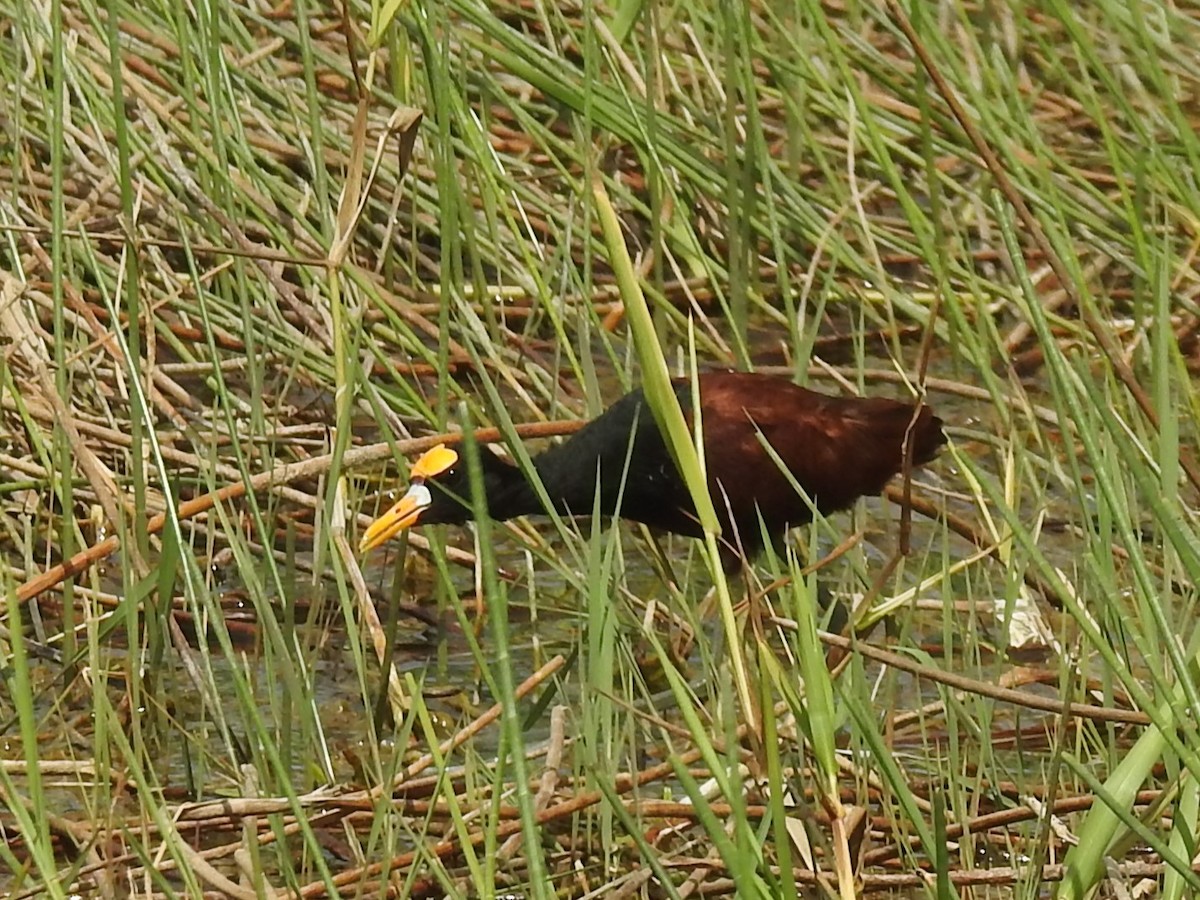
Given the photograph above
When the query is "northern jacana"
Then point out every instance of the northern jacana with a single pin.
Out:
(836, 448)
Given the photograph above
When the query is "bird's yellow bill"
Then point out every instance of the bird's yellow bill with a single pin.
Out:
(404, 514)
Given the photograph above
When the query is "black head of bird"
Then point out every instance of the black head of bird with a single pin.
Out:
(439, 493)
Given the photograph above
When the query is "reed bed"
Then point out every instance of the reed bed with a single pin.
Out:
(257, 255)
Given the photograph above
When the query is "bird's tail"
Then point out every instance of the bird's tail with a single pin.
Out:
(926, 436)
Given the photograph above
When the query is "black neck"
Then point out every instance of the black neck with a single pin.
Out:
(597, 457)
(508, 493)
(570, 484)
